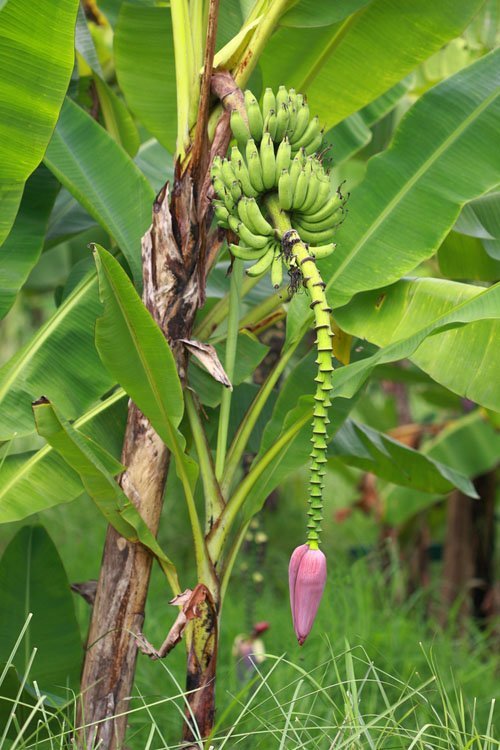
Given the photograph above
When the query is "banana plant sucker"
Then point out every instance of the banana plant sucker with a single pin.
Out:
(273, 193)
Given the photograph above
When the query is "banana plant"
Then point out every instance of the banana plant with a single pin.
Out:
(252, 195)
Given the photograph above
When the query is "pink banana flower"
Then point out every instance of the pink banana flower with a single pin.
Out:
(307, 578)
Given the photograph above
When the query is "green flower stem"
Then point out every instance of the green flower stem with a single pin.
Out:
(198, 15)
(232, 339)
(184, 68)
(245, 429)
(214, 502)
(297, 255)
(218, 535)
(230, 560)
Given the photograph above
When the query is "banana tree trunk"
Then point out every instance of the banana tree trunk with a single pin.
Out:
(201, 644)
(109, 666)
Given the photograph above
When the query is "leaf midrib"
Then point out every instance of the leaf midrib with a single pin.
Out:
(334, 42)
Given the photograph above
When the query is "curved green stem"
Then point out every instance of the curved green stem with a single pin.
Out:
(218, 535)
(245, 429)
(232, 339)
(184, 68)
(214, 502)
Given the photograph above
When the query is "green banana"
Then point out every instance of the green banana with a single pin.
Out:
(240, 170)
(300, 191)
(314, 238)
(322, 251)
(246, 253)
(255, 172)
(283, 158)
(281, 97)
(254, 166)
(301, 124)
(292, 110)
(315, 144)
(221, 214)
(255, 121)
(258, 241)
(271, 123)
(263, 264)
(330, 222)
(312, 193)
(301, 156)
(257, 222)
(295, 170)
(282, 121)
(239, 128)
(311, 132)
(332, 204)
(235, 191)
(268, 161)
(223, 193)
(242, 211)
(216, 168)
(285, 191)
(227, 174)
(268, 103)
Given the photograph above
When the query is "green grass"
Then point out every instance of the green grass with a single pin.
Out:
(376, 671)
(344, 702)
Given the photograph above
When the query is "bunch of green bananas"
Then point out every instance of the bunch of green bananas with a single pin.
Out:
(275, 154)
(273, 193)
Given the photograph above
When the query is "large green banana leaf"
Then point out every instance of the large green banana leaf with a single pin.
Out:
(312, 13)
(144, 59)
(370, 450)
(68, 218)
(471, 445)
(59, 362)
(22, 248)
(135, 351)
(103, 178)
(353, 133)
(36, 50)
(466, 359)
(33, 580)
(481, 218)
(484, 307)
(444, 154)
(347, 65)
(92, 463)
(32, 482)
(464, 257)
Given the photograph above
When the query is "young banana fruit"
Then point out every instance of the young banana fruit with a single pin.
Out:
(275, 153)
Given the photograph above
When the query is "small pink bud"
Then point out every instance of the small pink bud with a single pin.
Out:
(307, 578)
